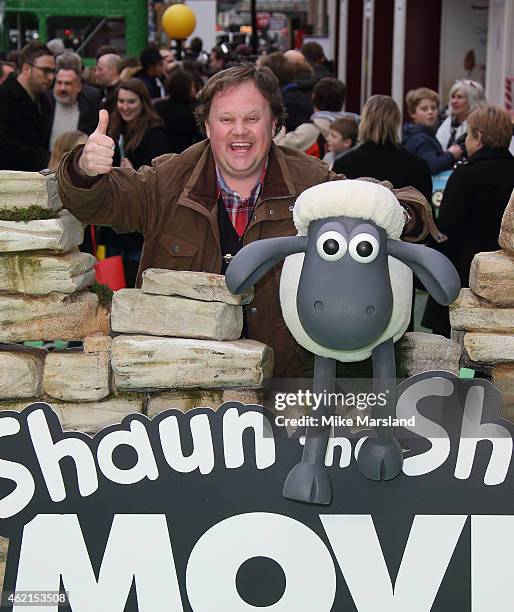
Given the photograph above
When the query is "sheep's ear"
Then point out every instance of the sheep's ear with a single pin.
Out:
(255, 259)
(433, 269)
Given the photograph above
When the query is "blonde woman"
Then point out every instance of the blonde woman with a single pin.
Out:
(380, 154)
(465, 96)
(64, 143)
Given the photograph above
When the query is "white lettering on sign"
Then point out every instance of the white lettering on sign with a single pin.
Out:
(474, 431)
(50, 453)
(234, 425)
(25, 488)
(220, 552)
(492, 543)
(201, 458)
(136, 438)
(432, 541)
(429, 461)
(138, 548)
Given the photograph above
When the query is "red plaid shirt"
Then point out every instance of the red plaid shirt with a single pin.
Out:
(239, 209)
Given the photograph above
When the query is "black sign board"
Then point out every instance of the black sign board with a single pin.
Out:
(185, 512)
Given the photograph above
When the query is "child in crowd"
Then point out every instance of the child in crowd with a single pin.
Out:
(419, 134)
(341, 137)
(63, 144)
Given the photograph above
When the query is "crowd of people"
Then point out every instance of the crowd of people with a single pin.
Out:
(49, 104)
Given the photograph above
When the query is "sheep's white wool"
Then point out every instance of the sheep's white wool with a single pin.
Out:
(401, 285)
(350, 198)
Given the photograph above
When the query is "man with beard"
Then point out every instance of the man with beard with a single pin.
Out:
(25, 114)
(73, 108)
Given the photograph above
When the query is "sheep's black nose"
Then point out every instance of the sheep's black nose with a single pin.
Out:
(319, 305)
(370, 310)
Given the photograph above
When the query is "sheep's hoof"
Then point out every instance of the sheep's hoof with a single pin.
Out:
(380, 459)
(310, 483)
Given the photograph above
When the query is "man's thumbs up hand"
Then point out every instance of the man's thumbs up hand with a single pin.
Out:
(103, 122)
(98, 152)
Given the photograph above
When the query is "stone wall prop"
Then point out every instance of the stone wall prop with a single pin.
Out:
(506, 238)
(420, 352)
(201, 286)
(21, 371)
(41, 274)
(76, 376)
(188, 399)
(88, 417)
(153, 363)
(472, 313)
(52, 317)
(492, 277)
(56, 235)
(136, 312)
(20, 189)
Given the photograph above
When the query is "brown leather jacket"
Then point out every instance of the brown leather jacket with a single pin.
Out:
(173, 204)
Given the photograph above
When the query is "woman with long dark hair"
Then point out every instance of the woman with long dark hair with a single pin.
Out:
(139, 135)
(136, 127)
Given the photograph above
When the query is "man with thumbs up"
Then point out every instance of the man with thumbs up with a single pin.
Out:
(197, 209)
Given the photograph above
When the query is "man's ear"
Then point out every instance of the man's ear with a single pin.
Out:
(207, 130)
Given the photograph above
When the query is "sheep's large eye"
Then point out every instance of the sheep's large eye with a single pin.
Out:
(331, 246)
(363, 248)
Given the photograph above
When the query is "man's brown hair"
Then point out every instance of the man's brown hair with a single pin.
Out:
(329, 94)
(263, 78)
(380, 121)
(414, 97)
(30, 53)
(281, 67)
(493, 124)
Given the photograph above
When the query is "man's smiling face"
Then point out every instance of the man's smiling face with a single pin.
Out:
(240, 127)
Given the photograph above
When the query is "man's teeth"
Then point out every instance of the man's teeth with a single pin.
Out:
(241, 145)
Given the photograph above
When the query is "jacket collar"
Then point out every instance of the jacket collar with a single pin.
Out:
(199, 190)
(13, 86)
(489, 153)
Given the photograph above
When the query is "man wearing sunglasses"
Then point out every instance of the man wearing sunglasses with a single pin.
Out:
(25, 114)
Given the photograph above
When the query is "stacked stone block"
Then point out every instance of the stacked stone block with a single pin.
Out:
(482, 318)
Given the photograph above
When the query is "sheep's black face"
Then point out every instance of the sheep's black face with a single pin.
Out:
(344, 298)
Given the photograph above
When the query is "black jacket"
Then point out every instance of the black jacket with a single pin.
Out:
(89, 104)
(180, 123)
(298, 105)
(473, 204)
(25, 128)
(472, 208)
(153, 144)
(420, 140)
(151, 84)
(386, 163)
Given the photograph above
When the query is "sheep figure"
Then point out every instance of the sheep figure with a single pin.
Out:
(345, 293)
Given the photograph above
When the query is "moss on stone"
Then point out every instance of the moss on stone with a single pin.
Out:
(32, 213)
(103, 292)
(20, 266)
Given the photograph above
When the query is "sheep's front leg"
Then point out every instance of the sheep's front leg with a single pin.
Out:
(309, 480)
(380, 456)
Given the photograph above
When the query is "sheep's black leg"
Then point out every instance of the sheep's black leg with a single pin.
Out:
(380, 456)
(309, 480)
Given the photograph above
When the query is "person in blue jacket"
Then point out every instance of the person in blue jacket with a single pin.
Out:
(419, 134)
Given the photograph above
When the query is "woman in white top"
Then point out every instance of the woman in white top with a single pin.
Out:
(465, 96)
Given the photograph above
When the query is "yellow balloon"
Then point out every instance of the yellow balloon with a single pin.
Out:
(178, 21)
